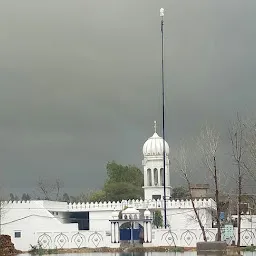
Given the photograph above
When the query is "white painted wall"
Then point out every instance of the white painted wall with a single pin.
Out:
(247, 221)
(29, 218)
(99, 220)
(34, 218)
(150, 191)
(186, 218)
(180, 237)
(51, 240)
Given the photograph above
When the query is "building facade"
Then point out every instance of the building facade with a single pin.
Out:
(65, 225)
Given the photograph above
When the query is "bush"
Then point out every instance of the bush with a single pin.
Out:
(158, 219)
(249, 248)
(39, 250)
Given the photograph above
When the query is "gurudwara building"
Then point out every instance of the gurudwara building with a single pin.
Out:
(107, 224)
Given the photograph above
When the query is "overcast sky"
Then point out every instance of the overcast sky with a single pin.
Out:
(80, 81)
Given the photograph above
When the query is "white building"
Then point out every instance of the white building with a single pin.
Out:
(63, 225)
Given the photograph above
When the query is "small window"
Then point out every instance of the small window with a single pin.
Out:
(17, 234)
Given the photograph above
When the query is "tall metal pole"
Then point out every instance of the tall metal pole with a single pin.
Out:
(163, 114)
(0, 221)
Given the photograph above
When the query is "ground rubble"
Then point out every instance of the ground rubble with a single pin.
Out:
(7, 247)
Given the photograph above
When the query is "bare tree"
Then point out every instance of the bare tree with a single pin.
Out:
(49, 190)
(237, 136)
(3, 209)
(208, 143)
(85, 196)
(193, 219)
(1, 215)
(183, 166)
(251, 147)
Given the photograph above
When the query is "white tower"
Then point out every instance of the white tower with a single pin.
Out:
(153, 168)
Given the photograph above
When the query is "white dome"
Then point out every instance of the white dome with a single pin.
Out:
(131, 213)
(130, 210)
(154, 146)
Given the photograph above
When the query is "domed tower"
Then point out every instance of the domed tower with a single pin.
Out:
(153, 168)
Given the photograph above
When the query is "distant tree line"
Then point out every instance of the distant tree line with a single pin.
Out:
(123, 182)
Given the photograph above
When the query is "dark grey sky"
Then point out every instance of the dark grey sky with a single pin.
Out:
(80, 81)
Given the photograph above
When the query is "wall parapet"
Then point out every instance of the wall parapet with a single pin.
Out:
(138, 204)
(36, 204)
(144, 204)
(15, 202)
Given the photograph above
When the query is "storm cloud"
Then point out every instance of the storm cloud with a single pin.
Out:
(80, 81)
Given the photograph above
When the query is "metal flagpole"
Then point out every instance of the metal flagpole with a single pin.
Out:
(163, 114)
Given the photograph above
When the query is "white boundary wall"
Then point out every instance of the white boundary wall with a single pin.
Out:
(32, 219)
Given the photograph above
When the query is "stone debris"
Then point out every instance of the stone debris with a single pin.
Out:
(6, 246)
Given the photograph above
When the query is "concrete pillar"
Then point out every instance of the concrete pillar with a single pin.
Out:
(145, 177)
(149, 229)
(117, 232)
(145, 232)
(152, 177)
(112, 232)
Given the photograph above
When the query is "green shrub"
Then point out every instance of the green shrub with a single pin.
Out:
(158, 219)
(39, 250)
(251, 248)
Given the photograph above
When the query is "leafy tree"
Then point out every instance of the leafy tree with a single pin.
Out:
(122, 191)
(72, 199)
(180, 193)
(120, 173)
(83, 197)
(11, 196)
(122, 183)
(88, 196)
(98, 196)
(25, 197)
(158, 219)
(65, 198)
(14, 197)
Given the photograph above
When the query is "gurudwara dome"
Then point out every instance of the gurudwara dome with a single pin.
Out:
(154, 146)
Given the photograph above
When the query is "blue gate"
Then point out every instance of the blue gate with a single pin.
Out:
(125, 234)
(136, 234)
